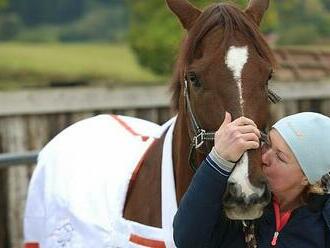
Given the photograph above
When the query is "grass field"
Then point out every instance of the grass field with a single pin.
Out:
(38, 65)
(24, 65)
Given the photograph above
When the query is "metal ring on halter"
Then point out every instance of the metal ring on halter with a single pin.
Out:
(199, 139)
(200, 135)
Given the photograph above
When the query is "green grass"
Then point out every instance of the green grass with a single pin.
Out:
(36, 65)
(26, 64)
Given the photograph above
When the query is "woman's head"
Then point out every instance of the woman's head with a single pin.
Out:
(308, 136)
(280, 165)
(300, 151)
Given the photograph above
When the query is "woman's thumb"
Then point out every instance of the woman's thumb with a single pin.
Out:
(227, 119)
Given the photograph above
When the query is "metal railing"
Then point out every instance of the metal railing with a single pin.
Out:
(15, 159)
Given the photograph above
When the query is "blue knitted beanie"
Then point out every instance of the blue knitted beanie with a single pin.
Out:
(308, 136)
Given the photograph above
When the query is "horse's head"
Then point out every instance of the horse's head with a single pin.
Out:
(226, 64)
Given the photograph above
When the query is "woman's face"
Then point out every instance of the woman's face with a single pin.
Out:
(280, 166)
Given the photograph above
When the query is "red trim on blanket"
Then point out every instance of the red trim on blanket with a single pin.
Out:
(137, 169)
(31, 245)
(128, 128)
(147, 242)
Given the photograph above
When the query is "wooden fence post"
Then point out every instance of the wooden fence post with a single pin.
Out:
(14, 139)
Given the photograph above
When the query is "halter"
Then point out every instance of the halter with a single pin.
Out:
(200, 135)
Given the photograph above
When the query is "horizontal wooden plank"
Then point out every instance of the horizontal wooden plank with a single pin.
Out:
(302, 91)
(81, 99)
(99, 99)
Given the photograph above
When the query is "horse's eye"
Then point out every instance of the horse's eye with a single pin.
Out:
(194, 79)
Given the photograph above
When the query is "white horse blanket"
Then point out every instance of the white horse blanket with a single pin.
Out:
(78, 189)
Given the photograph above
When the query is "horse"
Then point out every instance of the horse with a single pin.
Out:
(82, 180)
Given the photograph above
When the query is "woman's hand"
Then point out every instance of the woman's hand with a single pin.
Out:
(234, 138)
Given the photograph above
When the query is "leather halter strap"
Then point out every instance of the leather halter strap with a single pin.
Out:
(200, 135)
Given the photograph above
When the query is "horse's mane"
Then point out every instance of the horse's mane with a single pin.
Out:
(231, 19)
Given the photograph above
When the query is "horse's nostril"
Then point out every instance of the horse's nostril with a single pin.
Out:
(253, 199)
(234, 189)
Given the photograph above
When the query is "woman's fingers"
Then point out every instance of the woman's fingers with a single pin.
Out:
(233, 138)
(243, 121)
(249, 137)
(246, 142)
(249, 129)
(251, 145)
(238, 131)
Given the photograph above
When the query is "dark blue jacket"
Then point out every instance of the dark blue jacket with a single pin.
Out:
(200, 221)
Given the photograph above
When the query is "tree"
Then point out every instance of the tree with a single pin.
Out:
(3, 3)
(326, 4)
(35, 12)
(103, 22)
(306, 21)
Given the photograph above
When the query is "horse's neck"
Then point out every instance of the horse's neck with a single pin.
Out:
(146, 188)
(183, 173)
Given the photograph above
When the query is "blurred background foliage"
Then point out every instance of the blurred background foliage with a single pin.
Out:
(144, 28)
(64, 20)
(287, 22)
(157, 47)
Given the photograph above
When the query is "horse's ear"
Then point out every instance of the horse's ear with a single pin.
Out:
(185, 11)
(257, 9)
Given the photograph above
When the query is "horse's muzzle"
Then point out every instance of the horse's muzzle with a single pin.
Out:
(239, 206)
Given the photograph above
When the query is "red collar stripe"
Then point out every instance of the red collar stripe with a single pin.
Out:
(281, 220)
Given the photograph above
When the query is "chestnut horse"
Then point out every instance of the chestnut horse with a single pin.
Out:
(224, 65)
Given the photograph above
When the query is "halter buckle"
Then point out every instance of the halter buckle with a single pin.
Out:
(199, 139)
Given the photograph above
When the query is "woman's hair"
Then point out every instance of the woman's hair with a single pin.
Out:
(317, 188)
(316, 194)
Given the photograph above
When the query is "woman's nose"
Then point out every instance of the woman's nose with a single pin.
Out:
(266, 156)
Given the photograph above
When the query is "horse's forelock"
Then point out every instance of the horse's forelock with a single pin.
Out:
(232, 19)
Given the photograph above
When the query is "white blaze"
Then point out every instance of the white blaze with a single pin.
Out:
(240, 176)
(235, 60)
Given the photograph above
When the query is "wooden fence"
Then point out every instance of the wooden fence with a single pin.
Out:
(31, 118)
(301, 65)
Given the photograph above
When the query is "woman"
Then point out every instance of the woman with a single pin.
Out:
(294, 161)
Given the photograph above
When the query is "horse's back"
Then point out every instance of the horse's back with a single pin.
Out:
(78, 180)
